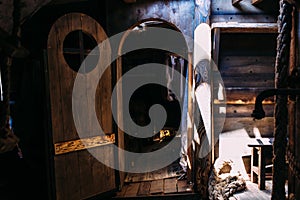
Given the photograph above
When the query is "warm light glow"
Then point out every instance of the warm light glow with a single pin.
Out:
(242, 102)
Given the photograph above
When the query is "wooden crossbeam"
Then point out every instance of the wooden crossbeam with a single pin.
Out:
(231, 27)
(81, 144)
(255, 2)
(235, 2)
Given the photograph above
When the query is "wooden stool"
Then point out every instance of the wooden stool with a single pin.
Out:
(259, 147)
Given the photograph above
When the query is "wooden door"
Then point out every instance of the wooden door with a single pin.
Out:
(78, 174)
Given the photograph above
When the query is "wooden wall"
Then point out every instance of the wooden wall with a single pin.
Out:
(29, 92)
(244, 11)
(121, 16)
(246, 64)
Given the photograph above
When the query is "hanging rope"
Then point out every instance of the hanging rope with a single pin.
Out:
(281, 113)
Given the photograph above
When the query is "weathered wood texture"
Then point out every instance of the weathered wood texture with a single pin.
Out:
(255, 2)
(245, 27)
(265, 126)
(244, 11)
(6, 11)
(244, 7)
(250, 71)
(75, 171)
(236, 2)
(297, 126)
(179, 13)
(247, 68)
(158, 189)
(294, 115)
(281, 111)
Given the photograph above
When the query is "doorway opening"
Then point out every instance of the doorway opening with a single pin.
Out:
(164, 181)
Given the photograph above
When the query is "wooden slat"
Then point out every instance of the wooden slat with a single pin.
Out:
(248, 82)
(246, 110)
(132, 190)
(253, 193)
(245, 7)
(245, 94)
(230, 27)
(170, 185)
(241, 18)
(121, 139)
(247, 64)
(215, 53)
(100, 172)
(157, 187)
(190, 130)
(74, 172)
(265, 125)
(122, 192)
(182, 186)
(144, 188)
(81, 144)
(255, 2)
(235, 2)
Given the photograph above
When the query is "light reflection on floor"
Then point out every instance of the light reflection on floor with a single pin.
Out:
(233, 146)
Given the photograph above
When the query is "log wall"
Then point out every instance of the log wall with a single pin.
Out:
(246, 64)
(244, 11)
(121, 16)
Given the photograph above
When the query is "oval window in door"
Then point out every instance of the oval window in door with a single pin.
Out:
(77, 46)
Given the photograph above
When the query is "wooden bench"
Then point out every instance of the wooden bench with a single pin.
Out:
(259, 147)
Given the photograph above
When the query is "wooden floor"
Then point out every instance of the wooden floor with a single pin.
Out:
(162, 187)
(162, 182)
(252, 192)
(179, 189)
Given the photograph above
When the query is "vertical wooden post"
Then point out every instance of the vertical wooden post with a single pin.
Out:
(297, 106)
(120, 138)
(261, 168)
(292, 107)
(280, 132)
(215, 59)
(253, 157)
(190, 137)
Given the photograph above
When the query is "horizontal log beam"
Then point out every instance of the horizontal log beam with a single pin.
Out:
(235, 2)
(255, 2)
(81, 144)
(235, 27)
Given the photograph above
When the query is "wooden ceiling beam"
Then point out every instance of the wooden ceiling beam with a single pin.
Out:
(246, 27)
(236, 2)
(255, 2)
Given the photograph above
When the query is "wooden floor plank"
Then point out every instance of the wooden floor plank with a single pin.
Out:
(157, 187)
(166, 172)
(132, 190)
(253, 192)
(182, 186)
(144, 189)
(170, 185)
(122, 192)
